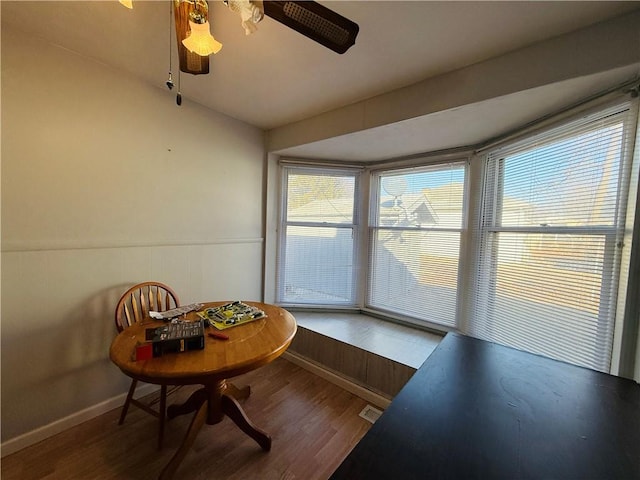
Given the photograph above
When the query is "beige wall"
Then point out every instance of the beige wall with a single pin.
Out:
(106, 182)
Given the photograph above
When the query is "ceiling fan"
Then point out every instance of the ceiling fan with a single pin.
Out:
(307, 17)
(195, 42)
(316, 22)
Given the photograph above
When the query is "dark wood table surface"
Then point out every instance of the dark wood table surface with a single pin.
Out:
(476, 409)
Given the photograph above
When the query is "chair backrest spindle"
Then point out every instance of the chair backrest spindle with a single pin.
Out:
(136, 303)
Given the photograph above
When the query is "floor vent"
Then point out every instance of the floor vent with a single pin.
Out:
(371, 414)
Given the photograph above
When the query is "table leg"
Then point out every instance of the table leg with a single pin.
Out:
(212, 403)
(192, 404)
(238, 393)
(194, 427)
(234, 411)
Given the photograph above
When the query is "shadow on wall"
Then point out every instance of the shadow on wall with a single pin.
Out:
(59, 365)
(70, 339)
(94, 321)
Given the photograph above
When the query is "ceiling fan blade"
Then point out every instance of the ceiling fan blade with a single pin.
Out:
(316, 22)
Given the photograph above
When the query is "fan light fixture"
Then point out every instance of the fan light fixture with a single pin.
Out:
(200, 41)
(251, 13)
(195, 42)
(193, 32)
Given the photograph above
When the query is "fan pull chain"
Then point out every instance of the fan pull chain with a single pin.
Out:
(179, 95)
(170, 80)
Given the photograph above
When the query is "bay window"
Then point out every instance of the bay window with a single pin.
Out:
(540, 264)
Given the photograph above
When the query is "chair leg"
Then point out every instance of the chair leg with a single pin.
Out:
(162, 414)
(125, 407)
(162, 410)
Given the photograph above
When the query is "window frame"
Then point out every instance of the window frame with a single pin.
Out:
(487, 228)
(373, 227)
(355, 227)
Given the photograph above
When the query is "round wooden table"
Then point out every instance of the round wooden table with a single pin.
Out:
(250, 346)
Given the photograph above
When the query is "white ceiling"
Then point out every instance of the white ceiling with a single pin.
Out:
(466, 126)
(277, 76)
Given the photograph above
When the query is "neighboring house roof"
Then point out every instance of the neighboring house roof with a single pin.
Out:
(440, 206)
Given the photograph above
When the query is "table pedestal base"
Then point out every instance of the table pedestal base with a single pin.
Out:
(211, 404)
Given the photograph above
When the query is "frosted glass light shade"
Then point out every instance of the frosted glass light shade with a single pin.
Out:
(127, 3)
(200, 41)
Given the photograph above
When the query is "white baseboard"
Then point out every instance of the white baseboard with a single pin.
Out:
(30, 438)
(351, 387)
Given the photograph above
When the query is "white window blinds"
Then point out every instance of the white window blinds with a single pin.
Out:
(415, 234)
(550, 231)
(318, 239)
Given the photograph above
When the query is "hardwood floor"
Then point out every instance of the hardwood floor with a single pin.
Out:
(313, 423)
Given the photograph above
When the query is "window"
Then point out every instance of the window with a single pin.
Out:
(551, 233)
(318, 243)
(543, 264)
(415, 236)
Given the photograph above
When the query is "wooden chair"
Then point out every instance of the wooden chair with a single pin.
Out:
(133, 307)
